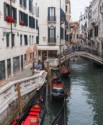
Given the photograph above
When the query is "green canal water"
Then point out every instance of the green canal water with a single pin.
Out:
(85, 100)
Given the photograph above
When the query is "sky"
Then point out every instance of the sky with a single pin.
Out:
(78, 6)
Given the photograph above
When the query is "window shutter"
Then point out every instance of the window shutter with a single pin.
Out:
(5, 11)
(26, 19)
(54, 33)
(15, 13)
(34, 22)
(48, 34)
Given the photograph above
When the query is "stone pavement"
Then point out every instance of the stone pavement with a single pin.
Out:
(24, 74)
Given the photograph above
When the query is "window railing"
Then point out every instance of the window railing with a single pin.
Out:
(51, 41)
(51, 18)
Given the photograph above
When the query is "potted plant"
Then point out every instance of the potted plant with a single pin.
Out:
(8, 19)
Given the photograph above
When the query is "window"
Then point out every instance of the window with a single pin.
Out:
(21, 41)
(31, 22)
(23, 3)
(51, 14)
(14, 13)
(24, 17)
(30, 5)
(7, 40)
(13, 40)
(32, 39)
(25, 40)
(7, 11)
(51, 34)
(29, 40)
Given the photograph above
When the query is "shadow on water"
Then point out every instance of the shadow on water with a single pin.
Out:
(52, 109)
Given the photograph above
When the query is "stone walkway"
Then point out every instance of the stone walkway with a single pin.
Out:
(24, 74)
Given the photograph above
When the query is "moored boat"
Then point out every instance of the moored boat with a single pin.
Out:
(57, 88)
(65, 71)
(33, 112)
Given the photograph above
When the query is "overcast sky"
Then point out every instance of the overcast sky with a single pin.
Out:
(78, 6)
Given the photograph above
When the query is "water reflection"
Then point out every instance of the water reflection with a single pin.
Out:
(85, 104)
(85, 99)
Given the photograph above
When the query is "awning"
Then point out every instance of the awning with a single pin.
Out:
(48, 47)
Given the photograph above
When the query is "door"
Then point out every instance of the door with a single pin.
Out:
(21, 62)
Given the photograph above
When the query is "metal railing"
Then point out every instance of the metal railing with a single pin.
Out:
(60, 118)
(51, 18)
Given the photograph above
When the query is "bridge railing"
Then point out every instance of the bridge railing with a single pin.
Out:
(9, 93)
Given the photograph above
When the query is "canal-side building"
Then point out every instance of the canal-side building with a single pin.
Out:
(74, 32)
(18, 35)
(94, 25)
(68, 19)
(51, 28)
(83, 24)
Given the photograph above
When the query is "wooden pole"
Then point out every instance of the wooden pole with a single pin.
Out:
(49, 79)
(60, 42)
(19, 98)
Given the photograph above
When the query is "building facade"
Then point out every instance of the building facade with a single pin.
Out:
(18, 34)
(74, 32)
(94, 40)
(68, 19)
(51, 28)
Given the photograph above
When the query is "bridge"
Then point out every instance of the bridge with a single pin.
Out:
(86, 54)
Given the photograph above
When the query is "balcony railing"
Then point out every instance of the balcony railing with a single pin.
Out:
(52, 41)
(51, 19)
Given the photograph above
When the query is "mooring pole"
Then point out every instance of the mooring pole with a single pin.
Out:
(49, 79)
(19, 98)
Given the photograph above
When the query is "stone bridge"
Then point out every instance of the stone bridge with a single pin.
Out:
(84, 54)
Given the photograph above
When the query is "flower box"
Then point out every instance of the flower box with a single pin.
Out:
(22, 22)
(9, 19)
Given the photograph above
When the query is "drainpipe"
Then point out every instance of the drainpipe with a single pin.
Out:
(11, 17)
(11, 37)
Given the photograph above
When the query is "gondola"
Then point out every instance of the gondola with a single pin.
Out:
(33, 112)
(57, 88)
(65, 71)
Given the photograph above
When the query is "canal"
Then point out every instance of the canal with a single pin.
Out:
(85, 100)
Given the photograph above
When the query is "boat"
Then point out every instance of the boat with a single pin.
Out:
(60, 119)
(65, 71)
(57, 88)
(33, 112)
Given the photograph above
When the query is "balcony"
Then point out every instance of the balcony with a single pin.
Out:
(51, 19)
(51, 41)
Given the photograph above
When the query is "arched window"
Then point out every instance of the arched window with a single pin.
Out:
(51, 34)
